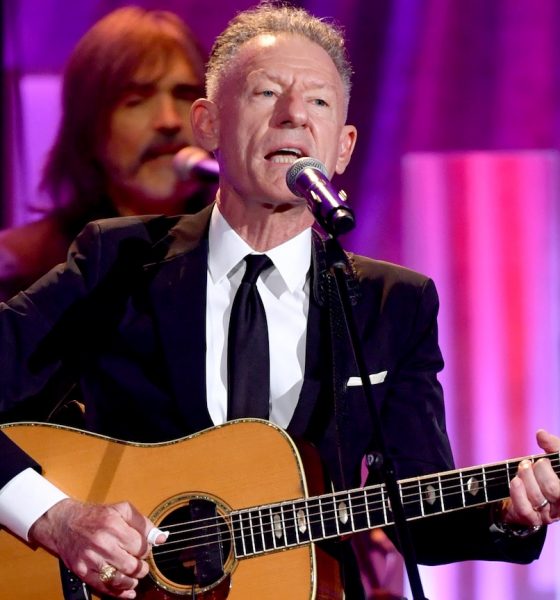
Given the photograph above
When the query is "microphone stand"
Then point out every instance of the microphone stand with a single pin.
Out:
(337, 264)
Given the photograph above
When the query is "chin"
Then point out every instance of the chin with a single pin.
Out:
(159, 188)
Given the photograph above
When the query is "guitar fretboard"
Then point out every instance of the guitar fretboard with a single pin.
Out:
(296, 522)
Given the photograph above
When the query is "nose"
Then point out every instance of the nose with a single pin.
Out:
(168, 117)
(292, 111)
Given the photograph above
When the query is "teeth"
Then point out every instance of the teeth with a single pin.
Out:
(292, 151)
(285, 155)
(283, 159)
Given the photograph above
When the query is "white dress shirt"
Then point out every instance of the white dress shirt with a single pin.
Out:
(284, 291)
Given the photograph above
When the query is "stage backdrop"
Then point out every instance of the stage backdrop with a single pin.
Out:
(455, 174)
(485, 226)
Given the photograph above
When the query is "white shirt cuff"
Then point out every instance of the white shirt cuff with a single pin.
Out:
(24, 499)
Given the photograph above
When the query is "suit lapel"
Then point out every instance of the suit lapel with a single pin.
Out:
(312, 377)
(179, 300)
(315, 350)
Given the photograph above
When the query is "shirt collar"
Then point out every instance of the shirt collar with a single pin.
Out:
(226, 249)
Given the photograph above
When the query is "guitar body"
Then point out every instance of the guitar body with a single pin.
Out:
(240, 464)
(237, 504)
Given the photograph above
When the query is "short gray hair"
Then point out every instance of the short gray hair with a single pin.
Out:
(272, 18)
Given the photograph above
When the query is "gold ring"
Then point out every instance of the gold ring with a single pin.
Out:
(107, 573)
(541, 505)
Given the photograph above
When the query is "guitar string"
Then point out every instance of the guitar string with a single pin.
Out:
(329, 515)
(406, 484)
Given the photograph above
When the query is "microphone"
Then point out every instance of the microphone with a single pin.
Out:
(308, 178)
(194, 163)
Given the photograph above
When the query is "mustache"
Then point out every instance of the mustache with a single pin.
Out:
(161, 148)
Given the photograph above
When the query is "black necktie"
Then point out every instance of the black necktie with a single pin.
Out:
(248, 360)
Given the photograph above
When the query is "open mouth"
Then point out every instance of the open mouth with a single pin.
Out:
(284, 155)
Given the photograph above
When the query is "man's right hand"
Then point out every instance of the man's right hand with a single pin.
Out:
(91, 537)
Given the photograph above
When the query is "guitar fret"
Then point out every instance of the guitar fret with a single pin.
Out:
(256, 532)
(498, 487)
(351, 511)
(301, 521)
(292, 527)
(473, 487)
(441, 493)
(451, 491)
(343, 513)
(261, 525)
(243, 535)
(422, 510)
(330, 522)
(384, 505)
(484, 484)
(267, 529)
(235, 533)
(309, 520)
(238, 535)
(375, 507)
(366, 504)
(296, 529)
(509, 466)
(431, 497)
(462, 488)
(289, 526)
(246, 518)
(334, 515)
(283, 521)
(315, 519)
(277, 527)
(322, 517)
(272, 530)
(358, 510)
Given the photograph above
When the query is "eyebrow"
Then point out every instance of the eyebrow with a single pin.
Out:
(194, 89)
(278, 78)
(144, 89)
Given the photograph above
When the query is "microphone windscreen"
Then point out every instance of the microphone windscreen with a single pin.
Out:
(298, 166)
(192, 162)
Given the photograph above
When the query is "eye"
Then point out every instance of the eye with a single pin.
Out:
(320, 102)
(188, 92)
(267, 93)
(133, 100)
(135, 94)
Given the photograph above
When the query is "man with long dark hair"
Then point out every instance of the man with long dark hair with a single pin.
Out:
(126, 94)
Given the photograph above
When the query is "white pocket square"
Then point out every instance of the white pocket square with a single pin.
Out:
(373, 379)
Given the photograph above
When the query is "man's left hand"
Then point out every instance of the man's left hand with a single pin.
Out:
(535, 490)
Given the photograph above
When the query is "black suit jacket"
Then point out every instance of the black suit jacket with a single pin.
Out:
(126, 315)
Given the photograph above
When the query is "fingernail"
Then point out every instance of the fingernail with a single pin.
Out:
(154, 533)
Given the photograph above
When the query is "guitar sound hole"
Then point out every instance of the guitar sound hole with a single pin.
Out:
(197, 552)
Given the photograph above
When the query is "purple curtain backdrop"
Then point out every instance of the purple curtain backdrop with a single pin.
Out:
(431, 77)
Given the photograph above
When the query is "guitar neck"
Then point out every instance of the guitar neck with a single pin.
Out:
(267, 528)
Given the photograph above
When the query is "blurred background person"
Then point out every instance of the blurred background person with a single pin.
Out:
(126, 95)
(127, 90)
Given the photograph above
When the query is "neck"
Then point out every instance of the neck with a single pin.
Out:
(264, 226)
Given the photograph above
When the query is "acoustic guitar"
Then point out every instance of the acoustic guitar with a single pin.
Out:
(241, 502)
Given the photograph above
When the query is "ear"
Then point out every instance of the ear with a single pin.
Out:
(204, 123)
(346, 144)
